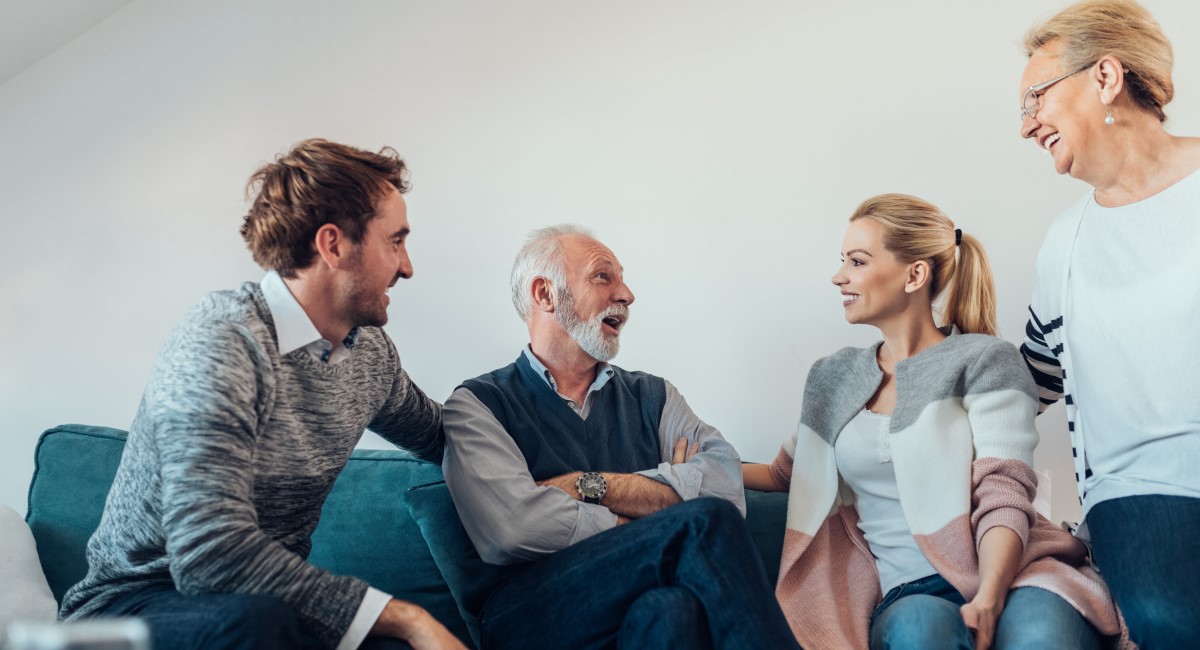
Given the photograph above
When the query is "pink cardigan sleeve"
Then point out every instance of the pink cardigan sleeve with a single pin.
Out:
(781, 469)
(1002, 495)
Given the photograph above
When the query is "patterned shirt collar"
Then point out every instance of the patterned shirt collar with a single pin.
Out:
(602, 376)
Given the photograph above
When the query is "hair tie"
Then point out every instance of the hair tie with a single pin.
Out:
(957, 237)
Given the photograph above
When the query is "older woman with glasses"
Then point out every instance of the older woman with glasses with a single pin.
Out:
(1116, 303)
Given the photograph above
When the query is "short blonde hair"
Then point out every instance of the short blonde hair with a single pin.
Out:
(915, 230)
(1122, 28)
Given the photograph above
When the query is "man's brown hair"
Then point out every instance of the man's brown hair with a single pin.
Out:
(316, 183)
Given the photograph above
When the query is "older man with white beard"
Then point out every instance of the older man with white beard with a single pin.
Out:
(622, 510)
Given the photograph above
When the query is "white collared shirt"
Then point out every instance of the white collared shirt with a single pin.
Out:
(294, 329)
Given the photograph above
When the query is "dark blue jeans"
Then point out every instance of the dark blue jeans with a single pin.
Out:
(925, 614)
(222, 622)
(1148, 551)
(686, 577)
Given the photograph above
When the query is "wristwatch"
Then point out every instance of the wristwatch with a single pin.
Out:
(591, 486)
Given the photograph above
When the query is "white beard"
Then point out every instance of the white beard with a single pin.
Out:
(588, 334)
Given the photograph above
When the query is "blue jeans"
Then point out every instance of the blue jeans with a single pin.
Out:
(925, 614)
(1148, 551)
(687, 576)
(222, 622)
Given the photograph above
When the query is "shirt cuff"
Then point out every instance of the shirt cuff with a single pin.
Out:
(368, 612)
(592, 518)
(684, 478)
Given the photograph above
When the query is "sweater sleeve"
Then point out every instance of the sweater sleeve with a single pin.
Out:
(409, 418)
(781, 467)
(1001, 405)
(1042, 360)
(207, 401)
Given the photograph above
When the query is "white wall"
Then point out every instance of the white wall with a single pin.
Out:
(717, 147)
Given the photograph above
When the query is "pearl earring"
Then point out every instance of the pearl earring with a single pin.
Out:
(1108, 118)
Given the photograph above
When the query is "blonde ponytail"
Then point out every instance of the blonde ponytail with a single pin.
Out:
(914, 230)
(971, 303)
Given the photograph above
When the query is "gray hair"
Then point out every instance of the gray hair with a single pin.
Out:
(541, 256)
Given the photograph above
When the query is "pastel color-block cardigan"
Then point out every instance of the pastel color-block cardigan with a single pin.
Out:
(962, 438)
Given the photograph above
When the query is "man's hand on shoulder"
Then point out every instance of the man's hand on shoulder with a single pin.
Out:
(404, 620)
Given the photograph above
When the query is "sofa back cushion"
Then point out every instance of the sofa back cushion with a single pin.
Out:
(365, 529)
(74, 466)
(471, 580)
(766, 514)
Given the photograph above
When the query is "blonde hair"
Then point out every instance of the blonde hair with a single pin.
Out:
(1123, 28)
(915, 230)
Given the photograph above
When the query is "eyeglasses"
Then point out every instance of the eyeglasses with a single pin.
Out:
(1031, 103)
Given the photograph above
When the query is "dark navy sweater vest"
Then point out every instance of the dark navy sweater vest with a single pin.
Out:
(620, 433)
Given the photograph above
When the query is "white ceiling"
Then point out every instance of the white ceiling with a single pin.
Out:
(31, 30)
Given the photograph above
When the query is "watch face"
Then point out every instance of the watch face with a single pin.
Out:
(592, 485)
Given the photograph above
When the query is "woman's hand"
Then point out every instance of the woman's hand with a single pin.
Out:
(999, 552)
(981, 616)
(756, 476)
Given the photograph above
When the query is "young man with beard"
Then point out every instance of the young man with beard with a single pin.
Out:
(254, 405)
(622, 510)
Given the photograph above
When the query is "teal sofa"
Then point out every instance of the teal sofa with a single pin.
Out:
(365, 531)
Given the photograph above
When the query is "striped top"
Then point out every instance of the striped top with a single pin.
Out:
(1112, 332)
(962, 440)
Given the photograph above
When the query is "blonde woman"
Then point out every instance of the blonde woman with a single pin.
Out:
(910, 522)
(1112, 325)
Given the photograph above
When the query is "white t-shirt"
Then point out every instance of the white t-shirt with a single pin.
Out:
(1133, 326)
(864, 459)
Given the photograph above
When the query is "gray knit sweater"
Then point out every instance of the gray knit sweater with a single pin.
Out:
(231, 455)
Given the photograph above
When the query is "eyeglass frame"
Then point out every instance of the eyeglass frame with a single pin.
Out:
(1037, 88)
